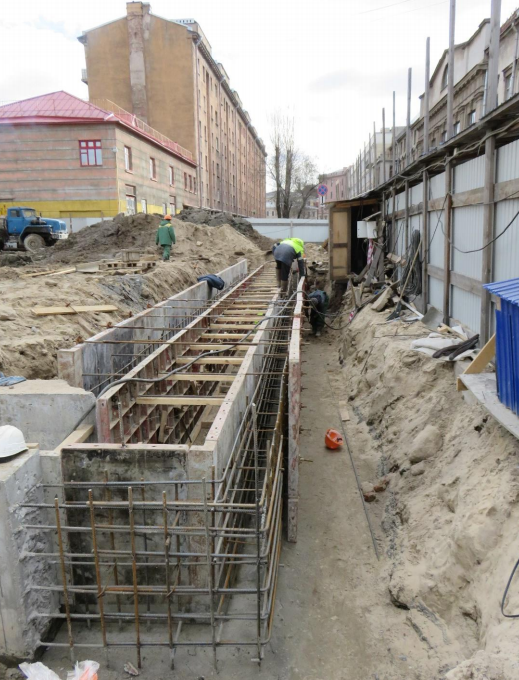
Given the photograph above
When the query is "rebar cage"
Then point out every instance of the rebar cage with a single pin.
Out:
(157, 559)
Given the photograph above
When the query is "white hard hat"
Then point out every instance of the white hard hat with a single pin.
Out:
(11, 441)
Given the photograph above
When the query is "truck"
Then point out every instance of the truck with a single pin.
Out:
(21, 228)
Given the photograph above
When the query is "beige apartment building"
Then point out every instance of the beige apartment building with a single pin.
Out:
(164, 73)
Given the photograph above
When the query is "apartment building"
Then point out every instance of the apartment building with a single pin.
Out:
(470, 88)
(164, 73)
(71, 159)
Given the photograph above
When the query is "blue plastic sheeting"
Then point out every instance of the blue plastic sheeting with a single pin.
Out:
(7, 381)
(507, 341)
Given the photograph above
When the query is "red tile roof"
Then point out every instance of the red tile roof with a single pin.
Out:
(52, 108)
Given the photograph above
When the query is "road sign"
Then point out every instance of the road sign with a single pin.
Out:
(322, 189)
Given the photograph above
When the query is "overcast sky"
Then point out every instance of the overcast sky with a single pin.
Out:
(332, 65)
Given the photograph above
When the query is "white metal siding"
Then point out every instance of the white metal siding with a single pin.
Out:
(506, 248)
(400, 201)
(437, 186)
(415, 222)
(466, 308)
(399, 237)
(436, 238)
(508, 162)
(416, 194)
(467, 226)
(436, 293)
(313, 231)
(469, 175)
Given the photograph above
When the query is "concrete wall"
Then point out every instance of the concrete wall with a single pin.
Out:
(98, 358)
(294, 416)
(46, 411)
(19, 630)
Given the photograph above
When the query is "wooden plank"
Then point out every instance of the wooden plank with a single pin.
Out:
(345, 414)
(488, 234)
(216, 345)
(425, 214)
(52, 272)
(80, 435)
(185, 400)
(73, 309)
(200, 377)
(484, 387)
(225, 336)
(459, 280)
(233, 327)
(162, 428)
(211, 360)
(447, 241)
(486, 354)
(240, 318)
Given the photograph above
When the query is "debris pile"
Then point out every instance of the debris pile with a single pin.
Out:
(211, 218)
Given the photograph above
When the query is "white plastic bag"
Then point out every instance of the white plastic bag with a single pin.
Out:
(37, 671)
(86, 670)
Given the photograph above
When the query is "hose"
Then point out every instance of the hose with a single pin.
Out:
(509, 616)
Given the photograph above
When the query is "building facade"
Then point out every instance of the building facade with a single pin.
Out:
(313, 209)
(164, 73)
(70, 159)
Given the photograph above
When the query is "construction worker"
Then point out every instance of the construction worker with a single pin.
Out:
(316, 310)
(285, 253)
(165, 236)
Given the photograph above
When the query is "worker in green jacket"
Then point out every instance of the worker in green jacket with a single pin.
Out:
(165, 236)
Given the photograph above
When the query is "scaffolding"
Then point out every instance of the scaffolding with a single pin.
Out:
(147, 554)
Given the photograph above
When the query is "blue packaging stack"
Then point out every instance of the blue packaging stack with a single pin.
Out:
(507, 341)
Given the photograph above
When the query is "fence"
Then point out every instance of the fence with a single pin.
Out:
(453, 203)
(312, 231)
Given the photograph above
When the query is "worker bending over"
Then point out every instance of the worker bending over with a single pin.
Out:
(165, 236)
(316, 310)
(285, 253)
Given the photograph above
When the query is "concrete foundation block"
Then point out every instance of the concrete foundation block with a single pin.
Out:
(46, 411)
(20, 630)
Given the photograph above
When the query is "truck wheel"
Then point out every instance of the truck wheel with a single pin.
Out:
(34, 242)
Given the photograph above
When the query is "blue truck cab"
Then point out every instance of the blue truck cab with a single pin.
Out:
(21, 228)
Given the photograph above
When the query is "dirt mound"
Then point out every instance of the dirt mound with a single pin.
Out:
(212, 219)
(451, 511)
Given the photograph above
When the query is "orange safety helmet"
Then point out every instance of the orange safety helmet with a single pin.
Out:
(167, 217)
(333, 439)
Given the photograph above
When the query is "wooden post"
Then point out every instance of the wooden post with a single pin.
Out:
(406, 235)
(425, 241)
(394, 135)
(375, 179)
(493, 56)
(426, 96)
(450, 72)
(381, 238)
(488, 235)
(408, 129)
(394, 230)
(447, 245)
(384, 145)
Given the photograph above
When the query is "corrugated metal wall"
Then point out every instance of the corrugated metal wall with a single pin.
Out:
(437, 186)
(436, 238)
(508, 162)
(469, 175)
(436, 293)
(506, 248)
(467, 234)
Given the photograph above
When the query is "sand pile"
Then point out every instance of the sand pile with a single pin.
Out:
(451, 512)
(28, 344)
(210, 219)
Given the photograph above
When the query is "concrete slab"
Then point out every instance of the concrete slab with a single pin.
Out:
(46, 411)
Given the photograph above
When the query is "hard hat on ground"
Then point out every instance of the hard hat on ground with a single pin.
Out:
(333, 439)
(11, 441)
(167, 217)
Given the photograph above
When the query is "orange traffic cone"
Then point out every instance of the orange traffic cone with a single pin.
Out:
(333, 439)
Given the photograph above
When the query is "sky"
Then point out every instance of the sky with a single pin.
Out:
(332, 66)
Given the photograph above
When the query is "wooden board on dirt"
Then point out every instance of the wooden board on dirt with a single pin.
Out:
(73, 309)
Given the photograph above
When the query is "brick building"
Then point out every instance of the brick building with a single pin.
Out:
(164, 72)
(70, 159)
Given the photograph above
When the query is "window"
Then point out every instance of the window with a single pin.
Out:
(90, 152)
(194, 184)
(190, 183)
(153, 169)
(508, 86)
(171, 176)
(164, 209)
(471, 118)
(131, 202)
(444, 136)
(185, 181)
(128, 160)
(144, 205)
(457, 127)
(172, 205)
(445, 77)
